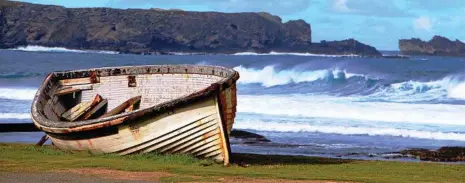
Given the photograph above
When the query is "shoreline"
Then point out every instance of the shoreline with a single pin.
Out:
(250, 143)
(43, 49)
(28, 159)
(445, 154)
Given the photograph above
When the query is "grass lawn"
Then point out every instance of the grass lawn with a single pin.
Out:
(28, 158)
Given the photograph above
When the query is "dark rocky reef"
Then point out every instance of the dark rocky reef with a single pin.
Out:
(156, 31)
(438, 46)
(445, 154)
(344, 47)
(248, 137)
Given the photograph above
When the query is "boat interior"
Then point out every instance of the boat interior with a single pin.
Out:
(100, 93)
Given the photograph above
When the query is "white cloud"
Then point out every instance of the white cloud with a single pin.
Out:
(381, 8)
(423, 23)
(341, 6)
(379, 28)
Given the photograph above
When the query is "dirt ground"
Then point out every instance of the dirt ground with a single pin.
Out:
(94, 175)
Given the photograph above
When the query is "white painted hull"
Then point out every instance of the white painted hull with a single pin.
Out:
(183, 109)
(195, 129)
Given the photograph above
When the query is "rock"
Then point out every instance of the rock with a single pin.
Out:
(452, 153)
(438, 46)
(248, 137)
(157, 31)
(446, 154)
(344, 47)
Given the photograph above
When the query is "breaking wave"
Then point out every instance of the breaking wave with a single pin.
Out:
(349, 108)
(35, 48)
(268, 76)
(294, 54)
(343, 130)
(344, 83)
(450, 87)
(15, 116)
(17, 93)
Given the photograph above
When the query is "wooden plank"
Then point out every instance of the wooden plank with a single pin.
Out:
(94, 109)
(130, 108)
(225, 148)
(69, 89)
(75, 112)
(77, 81)
(122, 107)
(81, 108)
(42, 140)
(149, 129)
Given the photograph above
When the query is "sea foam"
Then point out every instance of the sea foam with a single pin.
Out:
(15, 116)
(346, 130)
(35, 48)
(410, 91)
(321, 106)
(294, 54)
(269, 76)
(18, 93)
(452, 87)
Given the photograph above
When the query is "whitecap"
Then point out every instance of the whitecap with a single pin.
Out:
(18, 93)
(269, 76)
(294, 54)
(35, 48)
(15, 116)
(346, 130)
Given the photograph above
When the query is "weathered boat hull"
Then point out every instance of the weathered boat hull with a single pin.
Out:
(195, 129)
(197, 124)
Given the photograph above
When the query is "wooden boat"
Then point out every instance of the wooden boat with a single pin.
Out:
(164, 108)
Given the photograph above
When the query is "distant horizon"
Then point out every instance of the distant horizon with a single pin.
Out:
(377, 23)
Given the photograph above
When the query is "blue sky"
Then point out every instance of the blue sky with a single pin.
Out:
(380, 23)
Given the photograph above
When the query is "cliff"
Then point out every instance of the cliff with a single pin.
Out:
(157, 31)
(438, 45)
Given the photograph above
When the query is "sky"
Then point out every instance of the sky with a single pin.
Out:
(380, 23)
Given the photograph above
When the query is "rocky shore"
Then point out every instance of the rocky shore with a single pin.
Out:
(158, 31)
(248, 137)
(443, 154)
(437, 46)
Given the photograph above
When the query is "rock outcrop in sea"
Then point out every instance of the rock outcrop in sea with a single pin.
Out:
(438, 46)
(157, 31)
(445, 154)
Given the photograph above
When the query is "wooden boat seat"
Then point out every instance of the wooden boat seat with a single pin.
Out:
(81, 109)
(127, 106)
(71, 89)
(96, 111)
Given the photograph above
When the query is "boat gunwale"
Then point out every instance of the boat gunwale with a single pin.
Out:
(52, 126)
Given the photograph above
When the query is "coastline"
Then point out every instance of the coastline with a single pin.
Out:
(168, 31)
(38, 48)
(247, 142)
(437, 46)
(23, 159)
(44, 49)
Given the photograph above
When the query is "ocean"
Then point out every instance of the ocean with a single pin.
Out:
(306, 104)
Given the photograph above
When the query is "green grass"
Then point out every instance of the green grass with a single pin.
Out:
(28, 158)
